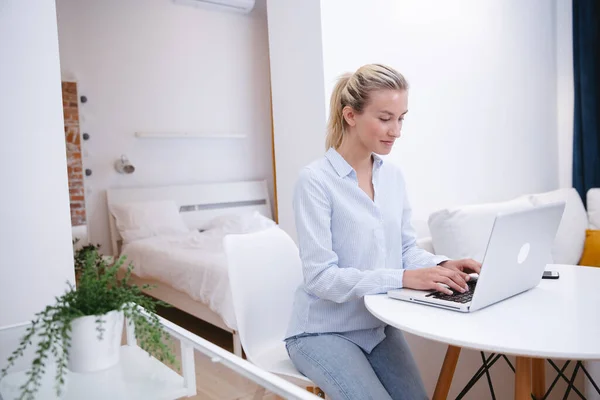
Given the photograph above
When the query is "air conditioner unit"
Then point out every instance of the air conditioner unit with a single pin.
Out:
(240, 6)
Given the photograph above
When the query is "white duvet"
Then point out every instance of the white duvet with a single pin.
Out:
(192, 263)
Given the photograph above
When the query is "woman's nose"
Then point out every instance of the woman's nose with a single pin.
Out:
(395, 132)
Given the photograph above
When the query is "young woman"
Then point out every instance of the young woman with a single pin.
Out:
(355, 238)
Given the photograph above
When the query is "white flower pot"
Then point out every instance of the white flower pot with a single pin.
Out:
(88, 353)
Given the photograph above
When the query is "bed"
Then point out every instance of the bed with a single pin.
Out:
(186, 264)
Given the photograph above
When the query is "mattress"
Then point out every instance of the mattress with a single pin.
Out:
(192, 263)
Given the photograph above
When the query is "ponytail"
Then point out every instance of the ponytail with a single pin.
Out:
(335, 126)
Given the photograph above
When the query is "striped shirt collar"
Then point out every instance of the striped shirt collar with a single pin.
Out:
(341, 166)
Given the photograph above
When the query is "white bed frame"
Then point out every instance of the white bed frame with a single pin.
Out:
(198, 203)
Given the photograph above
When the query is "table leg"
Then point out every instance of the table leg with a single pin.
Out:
(447, 373)
(523, 379)
(538, 377)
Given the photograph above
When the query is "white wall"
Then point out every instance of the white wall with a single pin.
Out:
(482, 119)
(35, 234)
(565, 90)
(151, 65)
(298, 94)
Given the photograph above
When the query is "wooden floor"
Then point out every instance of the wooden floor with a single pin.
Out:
(203, 329)
(213, 380)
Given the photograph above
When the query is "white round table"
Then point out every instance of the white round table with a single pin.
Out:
(558, 319)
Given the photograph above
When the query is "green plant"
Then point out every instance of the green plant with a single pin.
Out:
(98, 291)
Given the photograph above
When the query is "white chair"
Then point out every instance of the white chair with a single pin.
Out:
(264, 273)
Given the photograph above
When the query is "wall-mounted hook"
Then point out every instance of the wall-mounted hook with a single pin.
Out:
(86, 136)
(83, 99)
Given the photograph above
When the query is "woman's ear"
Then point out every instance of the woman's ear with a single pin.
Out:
(349, 115)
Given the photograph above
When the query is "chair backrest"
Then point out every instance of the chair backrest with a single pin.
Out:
(264, 273)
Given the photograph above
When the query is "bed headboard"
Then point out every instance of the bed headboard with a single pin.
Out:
(198, 203)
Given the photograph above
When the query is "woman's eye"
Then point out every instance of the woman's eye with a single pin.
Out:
(384, 120)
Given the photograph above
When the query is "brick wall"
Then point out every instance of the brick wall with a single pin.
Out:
(73, 142)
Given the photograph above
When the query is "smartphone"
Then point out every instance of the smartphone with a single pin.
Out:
(550, 275)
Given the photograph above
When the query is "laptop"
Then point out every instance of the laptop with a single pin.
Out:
(517, 252)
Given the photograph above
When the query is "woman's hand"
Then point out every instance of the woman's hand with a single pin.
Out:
(467, 265)
(434, 278)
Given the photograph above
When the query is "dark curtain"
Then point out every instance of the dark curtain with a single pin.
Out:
(586, 64)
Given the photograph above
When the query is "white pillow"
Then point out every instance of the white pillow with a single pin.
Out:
(463, 232)
(239, 223)
(140, 220)
(593, 208)
(570, 236)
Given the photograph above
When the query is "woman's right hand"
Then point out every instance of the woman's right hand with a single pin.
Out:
(434, 278)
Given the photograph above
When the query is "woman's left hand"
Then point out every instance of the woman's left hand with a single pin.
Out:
(466, 265)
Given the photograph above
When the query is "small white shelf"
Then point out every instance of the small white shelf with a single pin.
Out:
(191, 135)
(137, 377)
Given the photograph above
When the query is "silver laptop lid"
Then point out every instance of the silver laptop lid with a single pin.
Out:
(517, 253)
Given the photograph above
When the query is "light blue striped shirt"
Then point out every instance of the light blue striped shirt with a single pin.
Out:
(350, 246)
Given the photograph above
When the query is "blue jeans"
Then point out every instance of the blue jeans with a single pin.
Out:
(345, 372)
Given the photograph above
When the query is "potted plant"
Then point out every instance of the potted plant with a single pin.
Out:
(82, 330)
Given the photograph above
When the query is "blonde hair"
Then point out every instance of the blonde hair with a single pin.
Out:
(354, 90)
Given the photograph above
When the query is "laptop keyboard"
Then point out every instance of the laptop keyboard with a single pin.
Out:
(456, 297)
